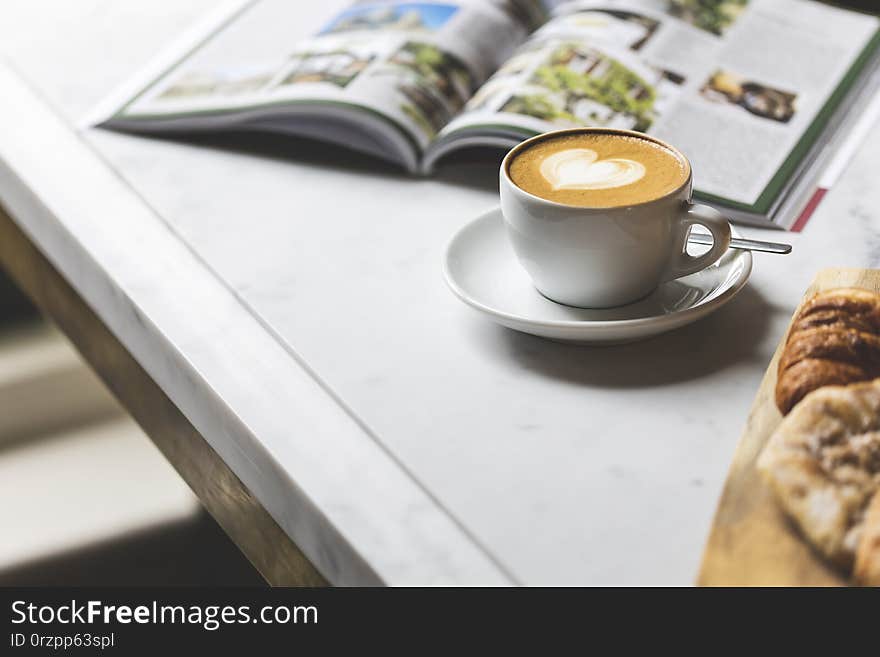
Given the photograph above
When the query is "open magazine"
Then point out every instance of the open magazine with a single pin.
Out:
(754, 92)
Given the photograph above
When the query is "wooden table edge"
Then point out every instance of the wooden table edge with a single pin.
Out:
(221, 492)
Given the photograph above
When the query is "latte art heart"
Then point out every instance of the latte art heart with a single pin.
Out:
(581, 168)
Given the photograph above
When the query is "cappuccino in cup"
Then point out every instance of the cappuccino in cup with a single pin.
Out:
(600, 217)
(598, 170)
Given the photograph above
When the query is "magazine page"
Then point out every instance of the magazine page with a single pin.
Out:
(741, 86)
(411, 65)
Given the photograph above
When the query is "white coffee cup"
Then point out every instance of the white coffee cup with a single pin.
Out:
(604, 257)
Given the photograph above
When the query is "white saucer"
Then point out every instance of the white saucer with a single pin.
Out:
(482, 270)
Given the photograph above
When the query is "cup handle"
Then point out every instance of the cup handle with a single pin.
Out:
(692, 214)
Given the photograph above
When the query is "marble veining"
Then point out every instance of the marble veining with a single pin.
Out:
(347, 503)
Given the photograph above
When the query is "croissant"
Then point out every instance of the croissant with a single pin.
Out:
(847, 302)
(834, 340)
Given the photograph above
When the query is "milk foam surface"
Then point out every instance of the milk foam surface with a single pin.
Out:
(598, 169)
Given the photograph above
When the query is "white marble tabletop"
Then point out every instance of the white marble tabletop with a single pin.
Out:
(289, 299)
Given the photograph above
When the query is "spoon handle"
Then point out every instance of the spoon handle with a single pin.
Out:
(747, 245)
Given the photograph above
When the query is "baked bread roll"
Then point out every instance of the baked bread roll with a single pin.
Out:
(846, 302)
(840, 345)
(810, 374)
(823, 465)
(834, 340)
(833, 318)
(867, 569)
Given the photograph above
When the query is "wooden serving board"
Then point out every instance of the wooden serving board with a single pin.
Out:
(752, 543)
